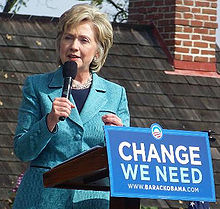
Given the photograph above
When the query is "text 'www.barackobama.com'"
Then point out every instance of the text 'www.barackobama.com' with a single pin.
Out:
(163, 188)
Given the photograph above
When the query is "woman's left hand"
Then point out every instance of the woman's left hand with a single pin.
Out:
(112, 120)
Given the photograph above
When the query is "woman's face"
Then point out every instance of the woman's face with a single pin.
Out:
(79, 44)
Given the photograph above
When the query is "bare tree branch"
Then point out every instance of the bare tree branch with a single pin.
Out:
(9, 5)
(120, 19)
(120, 16)
(115, 5)
(122, 13)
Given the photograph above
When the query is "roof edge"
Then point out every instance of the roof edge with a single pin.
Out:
(203, 69)
(12, 16)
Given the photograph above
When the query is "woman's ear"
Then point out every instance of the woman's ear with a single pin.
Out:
(96, 55)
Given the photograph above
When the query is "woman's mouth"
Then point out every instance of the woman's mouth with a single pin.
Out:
(73, 57)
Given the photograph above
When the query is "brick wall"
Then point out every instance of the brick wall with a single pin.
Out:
(188, 27)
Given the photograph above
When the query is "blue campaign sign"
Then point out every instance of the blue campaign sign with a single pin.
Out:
(159, 163)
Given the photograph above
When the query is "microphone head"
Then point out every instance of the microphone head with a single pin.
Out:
(70, 69)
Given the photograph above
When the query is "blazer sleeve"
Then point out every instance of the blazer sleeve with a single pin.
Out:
(123, 111)
(32, 134)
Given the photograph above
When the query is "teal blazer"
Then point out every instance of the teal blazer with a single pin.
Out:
(34, 143)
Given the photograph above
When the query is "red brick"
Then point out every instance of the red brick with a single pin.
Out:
(196, 37)
(138, 4)
(213, 60)
(179, 15)
(201, 30)
(209, 38)
(201, 17)
(152, 9)
(188, 15)
(163, 9)
(179, 29)
(178, 1)
(194, 51)
(181, 22)
(187, 43)
(170, 2)
(159, 3)
(212, 32)
(137, 17)
(211, 25)
(201, 59)
(178, 42)
(163, 22)
(149, 17)
(181, 49)
(142, 10)
(182, 36)
(196, 10)
(213, 46)
(169, 28)
(209, 11)
(214, 5)
(213, 18)
(187, 29)
(188, 2)
(169, 15)
(196, 23)
(132, 10)
(207, 52)
(170, 42)
(202, 4)
(172, 21)
(201, 44)
(177, 56)
(158, 16)
(172, 35)
(148, 3)
(182, 9)
(187, 58)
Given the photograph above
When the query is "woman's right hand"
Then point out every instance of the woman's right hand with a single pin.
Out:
(61, 107)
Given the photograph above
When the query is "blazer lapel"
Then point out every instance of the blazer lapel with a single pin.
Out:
(74, 115)
(95, 100)
(56, 83)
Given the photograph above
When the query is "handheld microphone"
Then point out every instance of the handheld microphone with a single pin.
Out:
(69, 73)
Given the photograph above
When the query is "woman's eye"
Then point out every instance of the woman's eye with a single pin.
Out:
(67, 37)
(85, 40)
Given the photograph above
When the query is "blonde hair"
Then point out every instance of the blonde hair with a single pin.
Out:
(103, 30)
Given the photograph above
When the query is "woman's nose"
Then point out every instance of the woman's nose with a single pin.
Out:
(74, 44)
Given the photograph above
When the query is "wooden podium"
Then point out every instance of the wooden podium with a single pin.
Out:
(87, 171)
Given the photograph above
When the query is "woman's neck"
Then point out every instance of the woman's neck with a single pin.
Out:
(82, 81)
(82, 77)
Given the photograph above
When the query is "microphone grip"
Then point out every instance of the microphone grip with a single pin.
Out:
(62, 118)
(66, 91)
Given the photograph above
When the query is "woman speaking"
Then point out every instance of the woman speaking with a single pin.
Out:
(84, 36)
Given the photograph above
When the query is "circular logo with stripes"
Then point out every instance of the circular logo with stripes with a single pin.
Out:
(157, 131)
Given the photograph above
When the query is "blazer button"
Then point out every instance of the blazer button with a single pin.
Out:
(78, 137)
